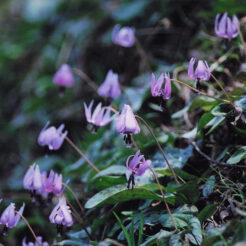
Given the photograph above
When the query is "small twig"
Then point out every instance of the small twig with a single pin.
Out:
(82, 154)
(222, 88)
(241, 38)
(142, 54)
(212, 160)
(86, 78)
(159, 146)
(201, 92)
(29, 226)
(164, 199)
(75, 197)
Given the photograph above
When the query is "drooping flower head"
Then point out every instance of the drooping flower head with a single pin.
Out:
(124, 36)
(110, 87)
(225, 28)
(202, 71)
(52, 137)
(127, 124)
(64, 76)
(32, 180)
(166, 92)
(138, 165)
(40, 240)
(53, 183)
(9, 218)
(61, 215)
(156, 86)
(100, 116)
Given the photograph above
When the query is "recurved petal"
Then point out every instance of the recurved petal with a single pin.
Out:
(143, 167)
(191, 68)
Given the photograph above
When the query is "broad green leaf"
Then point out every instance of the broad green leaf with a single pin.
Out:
(214, 123)
(241, 103)
(120, 193)
(116, 170)
(239, 155)
(209, 186)
(160, 238)
(127, 11)
(204, 120)
(207, 212)
(196, 236)
(176, 157)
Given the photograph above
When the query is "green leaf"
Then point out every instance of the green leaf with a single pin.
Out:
(204, 121)
(128, 11)
(196, 236)
(209, 186)
(140, 232)
(241, 103)
(237, 156)
(215, 122)
(124, 230)
(120, 193)
(207, 212)
(160, 238)
(176, 157)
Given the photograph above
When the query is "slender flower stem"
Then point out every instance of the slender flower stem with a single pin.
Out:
(142, 54)
(222, 88)
(75, 197)
(77, 216)
(159, 146)
(202, 93)
(86, 78)
(241, 38)
(29, 226)
(164, 199)
(82, 154)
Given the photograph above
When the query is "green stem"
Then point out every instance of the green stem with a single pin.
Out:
(29, 226)
(159, 146)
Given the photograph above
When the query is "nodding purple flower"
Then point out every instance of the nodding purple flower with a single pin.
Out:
(100, 116)
(225, 28)
(166, 92)
(156, 85)
(52, 137)
(138, 165)
(33, 180)
(64, 76)
(202, 72)
(61, 214)
(127, 124)
(110, 87)
(57, 184)
(124, 36)
(9, 218)
(40, 240)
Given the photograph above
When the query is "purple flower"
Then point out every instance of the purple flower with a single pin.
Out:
(202, 71)
(100, 116)
(52, 137)
(124, 36)
(225, 28)
(48, 182)
(32, 180)
(64, 76)
(57, 184)
(138, 164)
(166, 92)
(9, 218)
(110, 87)
(127, 123)
(61, 214)
(40, 240)
(156, 85)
